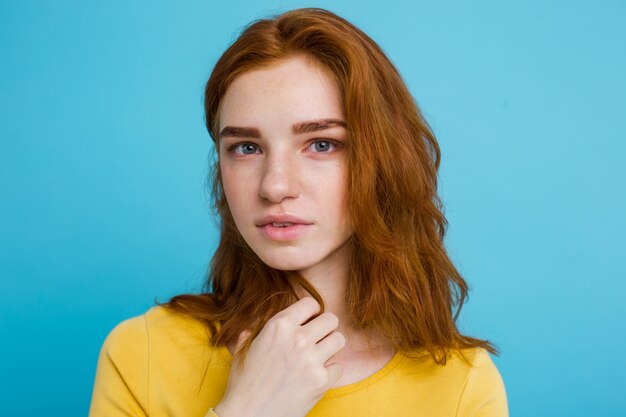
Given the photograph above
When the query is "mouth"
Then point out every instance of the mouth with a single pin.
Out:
(284, 231)
(283, 227)
(275, 224)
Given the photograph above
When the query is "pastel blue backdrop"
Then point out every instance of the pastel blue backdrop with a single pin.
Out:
(104, 155)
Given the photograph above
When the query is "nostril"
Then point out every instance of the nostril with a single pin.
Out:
(277, 189)
(280, 177)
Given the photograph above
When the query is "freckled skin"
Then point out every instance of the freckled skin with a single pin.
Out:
(284, 172)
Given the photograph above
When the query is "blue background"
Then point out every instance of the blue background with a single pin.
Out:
(104, 155)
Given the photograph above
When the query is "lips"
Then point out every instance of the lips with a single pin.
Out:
(283, 227)
(281, 220)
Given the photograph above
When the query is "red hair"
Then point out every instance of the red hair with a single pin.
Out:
(402, 284)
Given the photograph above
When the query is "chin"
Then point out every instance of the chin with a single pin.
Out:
(285, 261)
(284, 264)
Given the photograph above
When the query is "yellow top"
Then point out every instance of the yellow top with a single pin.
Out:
(160, 364)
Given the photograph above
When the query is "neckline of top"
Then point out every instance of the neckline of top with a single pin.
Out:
(345, 389)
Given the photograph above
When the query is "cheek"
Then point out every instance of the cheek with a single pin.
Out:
(236, 189)
(240, 184)
(330, 190)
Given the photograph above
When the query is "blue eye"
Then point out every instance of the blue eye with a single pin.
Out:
(323, 146)
(244, 149)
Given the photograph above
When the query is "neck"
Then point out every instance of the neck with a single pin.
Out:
(330, 279)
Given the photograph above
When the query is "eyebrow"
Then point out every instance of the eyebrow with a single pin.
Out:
(297, 128)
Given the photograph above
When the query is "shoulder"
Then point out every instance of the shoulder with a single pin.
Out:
(156, 361)
(121, 374)
(483, 392)
(475, 359)
(158, 324)
(459, 364)
(162, 338)
(469, 383)
(127, 339)
(479, 366)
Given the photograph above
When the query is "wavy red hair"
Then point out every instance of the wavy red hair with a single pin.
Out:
(402, 284)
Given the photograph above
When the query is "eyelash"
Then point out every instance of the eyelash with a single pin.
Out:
(232, 149)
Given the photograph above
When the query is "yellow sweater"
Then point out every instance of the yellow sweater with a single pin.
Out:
(160, 364)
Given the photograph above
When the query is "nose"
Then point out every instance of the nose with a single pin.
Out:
(280, 178)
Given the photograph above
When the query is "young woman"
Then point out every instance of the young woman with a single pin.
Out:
(331, 292)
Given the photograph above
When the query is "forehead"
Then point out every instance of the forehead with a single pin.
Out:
(291, 90)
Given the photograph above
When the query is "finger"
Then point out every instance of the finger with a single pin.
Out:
(300, 311)
(330, 345)
(320, 326)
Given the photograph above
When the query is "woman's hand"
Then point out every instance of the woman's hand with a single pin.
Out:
(284, 374)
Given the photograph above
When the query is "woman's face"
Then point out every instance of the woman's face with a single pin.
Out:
(283, 164)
